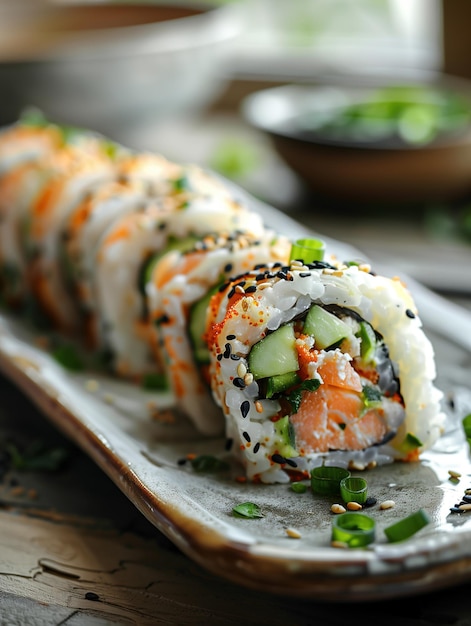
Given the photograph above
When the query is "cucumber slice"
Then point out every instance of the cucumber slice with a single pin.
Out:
(285, 438)
(277, 384)
(275, 354)
(147, 269)
(197, 327)
(326, 328)
(368, 341)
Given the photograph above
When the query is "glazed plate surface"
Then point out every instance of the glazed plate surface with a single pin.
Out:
(139, 440)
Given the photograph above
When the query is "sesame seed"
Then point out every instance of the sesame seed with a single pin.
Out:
(354, 506)
(230, 337)
(235, 357)
(239, 382)
(91, 385)
(181, 461)
(465, 507)
(387, 504)
(282, 275)
(91, 595)
(337, 509)
(454, 474)
(245, 408)
(264, 285)
(229, 443)
(227, 351)
(219, 357)
(410, 313)
(294, 534)
(304, 274)
(339, 544)
(256, 447)
(258, 406)
(277, 458)
(291, 462)
(296, 263)
(228, 268)
(248, 378)
(241, 370)
(246, 436)
(251, 289)
(239, 289)
(370, 501)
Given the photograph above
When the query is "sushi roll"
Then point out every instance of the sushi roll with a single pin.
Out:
(178, 294)
(125, 256)
(321, 363)
(68, 185)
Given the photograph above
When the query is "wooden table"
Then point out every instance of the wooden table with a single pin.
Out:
(75, 551)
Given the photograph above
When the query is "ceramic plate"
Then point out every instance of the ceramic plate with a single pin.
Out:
(139, 440)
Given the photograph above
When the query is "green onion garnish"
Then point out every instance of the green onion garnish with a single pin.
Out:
(354, 489)
(209, 463)
(298, 487)
(405, 528)
(248, 510)
(354, 529)
(307, 250)
(326, 480)
(467, 428)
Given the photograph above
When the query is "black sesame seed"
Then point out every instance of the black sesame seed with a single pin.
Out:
(256, 447)
(277, 264)
(260, 277)
(251, 289)
(239, 382)
(235, 357)
(467, 499)
(241, 284)
(91, 595)
(245, 408)
(455, 509)
(291, 462)
(219, 357)
(259, 266)
(281, 275)
(222, 287)
(229, 443)
(181, 461)
(370, 501)
(277, 458)
(246, 436)
(230, 337)
(228, 268)
(410, 314)
(227, 351)
(163, 319)
(231, 293)
(304, 274)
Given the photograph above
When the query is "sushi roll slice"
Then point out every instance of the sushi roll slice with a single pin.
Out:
(321, 363)
(124, 258)
(67, 177)
(178, 295)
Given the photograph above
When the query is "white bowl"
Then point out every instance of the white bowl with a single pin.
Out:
(103, 64)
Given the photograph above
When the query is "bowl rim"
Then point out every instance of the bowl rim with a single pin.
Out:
(254, 108)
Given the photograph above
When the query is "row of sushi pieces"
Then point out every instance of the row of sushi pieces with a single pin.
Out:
(299, 358)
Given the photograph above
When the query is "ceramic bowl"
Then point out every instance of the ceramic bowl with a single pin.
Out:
(105, 64)
(375, 171)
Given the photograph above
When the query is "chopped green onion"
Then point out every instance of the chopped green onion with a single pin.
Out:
(410, 443)
(68, 357)
(467, 428)
(155, 382)
(208, 463)
(248, 510)
(354, 529)
(405, 528)
(354, 489)
(298, 487)
(307, 250)
(326, 480)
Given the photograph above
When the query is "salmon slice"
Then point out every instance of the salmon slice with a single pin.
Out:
(332, 418)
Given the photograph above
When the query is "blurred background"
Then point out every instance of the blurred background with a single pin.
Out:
(212, 83)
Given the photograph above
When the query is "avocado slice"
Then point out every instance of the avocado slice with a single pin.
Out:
(275, 354)
(326, 328)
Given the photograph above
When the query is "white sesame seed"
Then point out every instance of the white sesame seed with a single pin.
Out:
(354, 506)
(454, 474)
(387, 504)
(241, 370)
(91, 385)
(337, 508)
(263, 285)
(239, 289)
(258, 406)
(465, 507)
(339, 544)
(294, 534)
(248, 379)
(108, 398)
